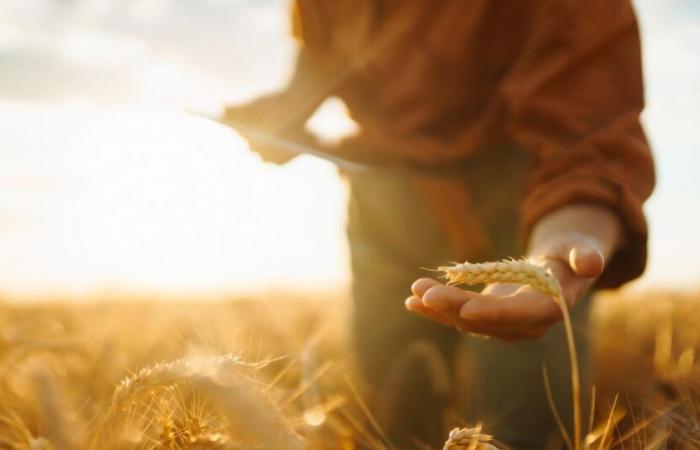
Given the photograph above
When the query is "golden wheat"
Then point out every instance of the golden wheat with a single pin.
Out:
(245, 405)
(471, 439)
(170, 372)
(525, 272)
(240, 397)
(225, 403)
(506, 271)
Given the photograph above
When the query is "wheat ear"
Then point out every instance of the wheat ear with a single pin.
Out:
(471, 439)
(163, 374)
(522, 271)
(248, 407)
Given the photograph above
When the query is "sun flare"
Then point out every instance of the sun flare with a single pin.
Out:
(150, 200)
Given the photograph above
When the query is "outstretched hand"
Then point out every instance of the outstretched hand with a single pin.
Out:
(508, 311)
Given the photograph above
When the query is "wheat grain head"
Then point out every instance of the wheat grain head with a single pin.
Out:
(471, 439)
(519, 271)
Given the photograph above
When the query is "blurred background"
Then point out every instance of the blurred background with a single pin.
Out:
(109, 185)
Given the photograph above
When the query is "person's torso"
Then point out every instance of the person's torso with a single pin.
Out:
(415, 66)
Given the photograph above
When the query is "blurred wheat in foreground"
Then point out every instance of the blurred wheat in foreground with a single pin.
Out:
(252, 374)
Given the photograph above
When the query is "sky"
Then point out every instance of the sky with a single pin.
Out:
(107, 183)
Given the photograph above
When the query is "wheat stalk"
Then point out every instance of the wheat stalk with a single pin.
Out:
(524, 272)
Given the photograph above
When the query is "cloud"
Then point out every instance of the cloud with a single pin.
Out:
(102, 49)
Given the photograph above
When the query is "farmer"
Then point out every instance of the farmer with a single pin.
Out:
(494, 129)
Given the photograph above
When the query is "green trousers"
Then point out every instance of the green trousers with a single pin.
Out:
(415, 369)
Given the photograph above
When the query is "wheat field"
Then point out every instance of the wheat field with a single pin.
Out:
(248, 373)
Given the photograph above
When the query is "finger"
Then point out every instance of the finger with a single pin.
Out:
(423, 284)
(515, 312)
(581, 255)
(415, 305)
(586, 260)
(447, 297)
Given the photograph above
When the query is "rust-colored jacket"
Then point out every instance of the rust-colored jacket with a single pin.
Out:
(431, 82)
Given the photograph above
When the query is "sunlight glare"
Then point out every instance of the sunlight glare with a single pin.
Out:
(164, 202)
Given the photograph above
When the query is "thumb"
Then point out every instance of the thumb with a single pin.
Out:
(586, 260)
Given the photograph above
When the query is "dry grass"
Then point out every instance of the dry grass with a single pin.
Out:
(251, 374)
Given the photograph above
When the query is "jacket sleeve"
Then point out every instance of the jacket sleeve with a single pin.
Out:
(573, 100)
